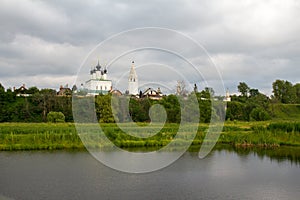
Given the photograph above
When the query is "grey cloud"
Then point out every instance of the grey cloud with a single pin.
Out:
(252, 41)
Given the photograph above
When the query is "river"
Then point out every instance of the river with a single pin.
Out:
(225, 174)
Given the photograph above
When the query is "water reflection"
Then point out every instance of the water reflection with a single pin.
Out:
(278, 154)
(227, 173)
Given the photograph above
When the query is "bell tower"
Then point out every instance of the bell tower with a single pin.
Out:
(133, 81)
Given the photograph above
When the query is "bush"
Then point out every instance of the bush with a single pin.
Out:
(55, 117)
(258, 114)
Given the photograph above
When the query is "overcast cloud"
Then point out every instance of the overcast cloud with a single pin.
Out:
(43, 43)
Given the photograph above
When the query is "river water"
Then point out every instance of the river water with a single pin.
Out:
(225, 174)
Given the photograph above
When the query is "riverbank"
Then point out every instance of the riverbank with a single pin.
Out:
(50, 136)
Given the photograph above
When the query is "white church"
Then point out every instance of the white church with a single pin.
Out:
(98, 82)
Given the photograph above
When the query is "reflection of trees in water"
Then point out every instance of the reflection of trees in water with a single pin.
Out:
(279, 154)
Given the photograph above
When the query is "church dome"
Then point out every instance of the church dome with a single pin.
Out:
(98, 66)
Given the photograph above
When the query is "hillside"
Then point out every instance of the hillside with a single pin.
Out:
(285, 111)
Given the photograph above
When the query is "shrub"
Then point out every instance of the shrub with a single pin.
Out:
(55, 117)
(258, 114)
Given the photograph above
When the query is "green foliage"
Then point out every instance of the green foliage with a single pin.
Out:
(235, 111)
(55, 117)
(284, 91)
(285, 111)
(297, 91)
(33, 108)
(250, 105)
(25, 136)
(172, 106)
(38, 136)
(243, 89)
(253, 107)
(258, 114)
(138, 109)
(33, 90)
(103, 109)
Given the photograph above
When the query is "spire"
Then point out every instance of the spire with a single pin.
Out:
(227, 97)
(227, 93)
(132, 75)
(132, 81)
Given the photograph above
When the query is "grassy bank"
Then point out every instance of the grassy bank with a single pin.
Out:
(40, 136)
(285, 111)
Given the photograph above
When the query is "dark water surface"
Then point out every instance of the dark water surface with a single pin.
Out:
(225, 174)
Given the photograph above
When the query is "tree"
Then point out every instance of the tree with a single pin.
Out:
(209, 91)
(2, 89)
(172, 106)
(284, 91)
(290, 96)
(55, 117)
(253, 92)
(243, 89)
(297, 91)
(103, 109)
(33, 90)
(3, 103)
(235, 111)
(181, 88)
(278, 89)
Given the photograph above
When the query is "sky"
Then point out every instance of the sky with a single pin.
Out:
(44, 43)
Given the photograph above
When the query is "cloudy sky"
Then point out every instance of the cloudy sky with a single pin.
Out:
(43, 43)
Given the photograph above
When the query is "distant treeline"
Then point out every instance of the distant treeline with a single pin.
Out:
(250, 105)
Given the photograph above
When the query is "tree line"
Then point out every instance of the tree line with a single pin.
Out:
(249, 105)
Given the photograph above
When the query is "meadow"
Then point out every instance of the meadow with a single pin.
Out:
(53, 136)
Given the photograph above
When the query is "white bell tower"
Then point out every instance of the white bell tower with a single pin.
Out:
(133, 81)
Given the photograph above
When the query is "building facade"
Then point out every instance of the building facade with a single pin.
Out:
(98, 82)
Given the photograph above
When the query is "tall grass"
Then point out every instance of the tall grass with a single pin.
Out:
(38, 136)
(287, 127)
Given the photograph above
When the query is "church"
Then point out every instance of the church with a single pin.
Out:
(133, 87)
(98, 82)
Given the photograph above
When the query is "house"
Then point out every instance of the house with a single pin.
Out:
(152, 94)
(116, 92)
(21, 91)
(64, 91)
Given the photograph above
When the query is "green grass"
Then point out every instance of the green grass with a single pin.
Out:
(48, 136)
(38, 136)
(285, 112)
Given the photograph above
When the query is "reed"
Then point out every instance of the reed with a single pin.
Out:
(47, 136)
